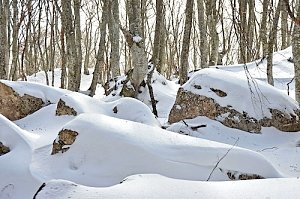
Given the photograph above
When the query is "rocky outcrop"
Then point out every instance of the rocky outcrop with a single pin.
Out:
(63, 109)
(189, 105)
(14, 107)
(65, 138)
(3, 149)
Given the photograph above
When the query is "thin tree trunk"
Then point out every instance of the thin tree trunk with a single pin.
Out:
(203, 34)
(100, 64)
(3, 41)
(272, 36)
(184, 63)
(263, 28)
(71, 52)
(78, 64)
(114, 32)
(157, 37)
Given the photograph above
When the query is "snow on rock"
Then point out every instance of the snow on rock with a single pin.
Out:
(157, 187)
(236, 102)
(107, 150)
(13, 106)
(46, 93)
(123, 108)
(16, 181)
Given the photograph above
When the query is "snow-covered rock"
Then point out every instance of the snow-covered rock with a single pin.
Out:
(123, 108)
(15, 106)
(246, 104)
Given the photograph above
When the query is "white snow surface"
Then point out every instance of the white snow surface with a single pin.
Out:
(157, 187)
(130, 148)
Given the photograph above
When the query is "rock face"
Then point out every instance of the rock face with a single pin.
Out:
(14, 107)
(65, 138)
(63, 109)
(3, 149)
(189, 105)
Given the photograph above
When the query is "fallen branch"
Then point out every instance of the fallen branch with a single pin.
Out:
(212, 171)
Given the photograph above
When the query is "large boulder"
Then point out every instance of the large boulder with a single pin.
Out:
(245, 104)
(15, 106)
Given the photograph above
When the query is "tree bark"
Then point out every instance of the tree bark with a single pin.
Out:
(78, 65)
(100, 62)
(114, 33)
(157, 37)
(184, 62)
(272, 40)
(137, 47)
(71, 53)
(203, 34)
(3, 41)
(296, 55)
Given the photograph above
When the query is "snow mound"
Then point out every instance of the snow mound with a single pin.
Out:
(107, 150)
(157, 187)
(251, 96)
(123, 108)
(16, 179)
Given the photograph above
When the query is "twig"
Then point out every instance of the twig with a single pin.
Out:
(212, 171)
(288, 85)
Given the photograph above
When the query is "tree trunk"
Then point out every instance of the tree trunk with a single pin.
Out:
(184, 62)
(71, 53)
(296, 55)
(263, 28)
(3, 41)
(137, 47)
(214, 37)
(99, 66)
(114, 32)
(203, 34)
(78, 65)
(14, 65)
(272, 40)
(157, 37)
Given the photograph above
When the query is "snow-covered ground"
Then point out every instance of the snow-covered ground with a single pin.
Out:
(122, 152)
